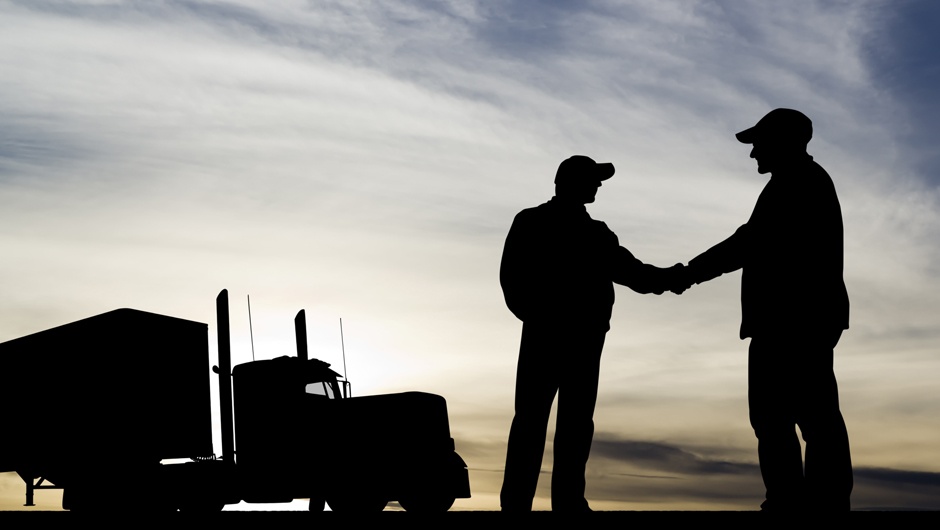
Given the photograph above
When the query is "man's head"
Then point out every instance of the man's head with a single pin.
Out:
(779, 137)
(578, 178)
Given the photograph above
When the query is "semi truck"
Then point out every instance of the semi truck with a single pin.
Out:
(115, 410)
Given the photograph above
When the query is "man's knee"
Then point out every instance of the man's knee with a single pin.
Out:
(772, 427)
(823, 426)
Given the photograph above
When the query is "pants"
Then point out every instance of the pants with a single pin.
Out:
(791, 383)
(563, 360)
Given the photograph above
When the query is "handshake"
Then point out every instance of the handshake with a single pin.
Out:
(677, 279)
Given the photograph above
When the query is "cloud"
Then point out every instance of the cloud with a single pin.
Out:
(900, 477)
(665, 457)
(888, 489)
(667, 471)
(904, 60)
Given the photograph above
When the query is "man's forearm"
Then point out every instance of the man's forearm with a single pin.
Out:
(638, 276)
(722, 258)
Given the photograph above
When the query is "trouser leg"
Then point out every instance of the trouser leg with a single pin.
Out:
(770, 401)
(536, 386)
(828, 468)
(791, 383)
(574, 432)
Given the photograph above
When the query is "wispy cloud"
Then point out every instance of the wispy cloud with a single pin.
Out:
(666, 458)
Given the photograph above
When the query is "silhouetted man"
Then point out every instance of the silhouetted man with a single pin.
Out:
(557, 275)
(794, 308)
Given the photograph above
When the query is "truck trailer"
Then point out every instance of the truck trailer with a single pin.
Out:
(115, 410)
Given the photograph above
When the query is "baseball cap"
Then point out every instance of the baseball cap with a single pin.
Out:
(580, 166)
(788, 125)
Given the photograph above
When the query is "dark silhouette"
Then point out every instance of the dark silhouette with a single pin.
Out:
(102, 402)
(794, 309)
(557, 274)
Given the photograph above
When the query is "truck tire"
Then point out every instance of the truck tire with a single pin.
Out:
(202, 507)
(317, 504)
(428, 503)
(354, 505)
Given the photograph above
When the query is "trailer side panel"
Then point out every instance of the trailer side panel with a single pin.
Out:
(122, 385)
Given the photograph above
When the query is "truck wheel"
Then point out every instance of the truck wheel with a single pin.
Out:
(426, 503)
(350, 504)
(317, 504)
(69, 501)
(203, 507)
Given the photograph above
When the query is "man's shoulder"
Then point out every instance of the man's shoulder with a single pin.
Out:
(529, 220)
(551, 214)
(814, 168)
(817, 181)
(810, 170)
(806, 179)
(542, 210)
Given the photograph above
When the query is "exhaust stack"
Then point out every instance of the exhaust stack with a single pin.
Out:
(225, 377)
(300, 330)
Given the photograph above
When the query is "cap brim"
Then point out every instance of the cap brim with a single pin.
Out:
(604, 171)
(747, 136)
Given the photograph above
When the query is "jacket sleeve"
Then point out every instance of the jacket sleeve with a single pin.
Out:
(641, 277)
(515, 267)
(725, 257)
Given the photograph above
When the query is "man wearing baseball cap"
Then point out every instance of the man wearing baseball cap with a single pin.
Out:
(794, 309)
(557, 274)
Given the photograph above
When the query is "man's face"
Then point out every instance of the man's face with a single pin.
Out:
(578, 188)
(774, 154)
(586, 189)
(766, 156)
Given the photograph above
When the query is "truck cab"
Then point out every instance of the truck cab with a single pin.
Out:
(299, 434)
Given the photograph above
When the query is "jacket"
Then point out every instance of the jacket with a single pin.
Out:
(559, 266)
(791, 255)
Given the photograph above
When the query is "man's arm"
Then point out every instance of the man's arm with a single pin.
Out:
(514, 267)
(725, 257)
(643, 277)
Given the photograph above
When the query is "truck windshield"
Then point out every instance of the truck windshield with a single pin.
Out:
(320, 389)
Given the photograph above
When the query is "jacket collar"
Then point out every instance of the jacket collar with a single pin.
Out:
(568, 207)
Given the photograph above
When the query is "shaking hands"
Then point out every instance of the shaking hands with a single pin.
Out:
(678, 279)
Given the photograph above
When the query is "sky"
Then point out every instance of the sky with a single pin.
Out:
(364, 161)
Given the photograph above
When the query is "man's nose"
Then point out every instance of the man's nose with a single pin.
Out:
(753, 150)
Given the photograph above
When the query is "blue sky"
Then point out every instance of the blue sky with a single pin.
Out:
(364, 161)
(905, 62)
